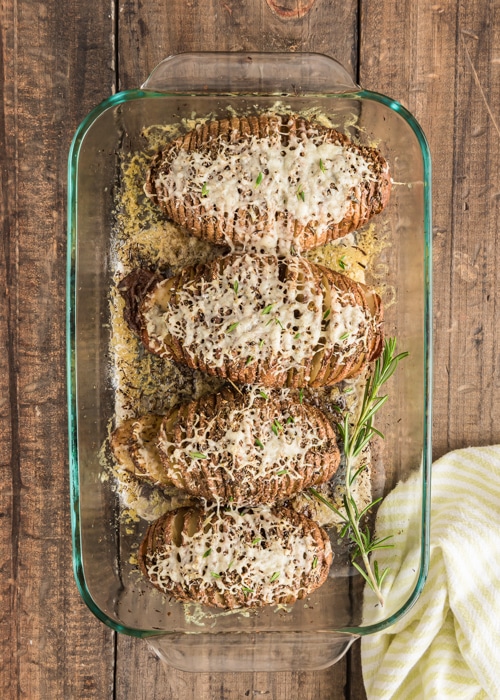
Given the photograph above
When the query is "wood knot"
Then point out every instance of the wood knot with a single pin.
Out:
(290, 9)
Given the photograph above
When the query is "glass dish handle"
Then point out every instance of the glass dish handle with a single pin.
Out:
(263, 73)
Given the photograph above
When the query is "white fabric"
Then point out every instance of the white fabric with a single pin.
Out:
(448, 645)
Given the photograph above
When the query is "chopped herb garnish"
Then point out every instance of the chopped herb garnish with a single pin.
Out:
(261, 342)
(247, 590)
(315, 562)
(256, 541)
(197, 455)
(322, 166)
(296, 336)
(230, 564)
(300, 193)
(249, 359)
(356, 433)
(290, 419)
(236, 286)
(204, 190)
(326, 314)
(344, 335)
(207, 553)
(349, 390)
(276, 427)
(215, 574)
(341, 262)
(270, 321)
(233, 326)
(263, 394)
(267, 310)
(278, 322)
(274, 576)
(259, 444)
(259, 179)
(301, 395)
(281, 472)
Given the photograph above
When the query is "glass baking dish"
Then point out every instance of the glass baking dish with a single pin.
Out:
(311, 635)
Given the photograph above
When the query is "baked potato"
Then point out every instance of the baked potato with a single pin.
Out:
(247, 448)
(232, 559)
(268, 182)
(263, 319)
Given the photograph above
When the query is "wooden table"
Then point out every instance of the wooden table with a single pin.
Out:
(440, 58)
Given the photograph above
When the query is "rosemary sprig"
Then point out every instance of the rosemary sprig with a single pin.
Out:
(356, 436)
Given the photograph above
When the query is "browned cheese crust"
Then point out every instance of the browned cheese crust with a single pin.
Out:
(204, 221)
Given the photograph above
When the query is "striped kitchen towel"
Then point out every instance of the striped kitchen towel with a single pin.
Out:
(447, 647)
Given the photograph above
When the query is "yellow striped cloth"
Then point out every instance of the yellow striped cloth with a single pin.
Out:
(447, 647)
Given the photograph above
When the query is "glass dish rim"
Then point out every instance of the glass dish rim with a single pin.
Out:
(72, 201)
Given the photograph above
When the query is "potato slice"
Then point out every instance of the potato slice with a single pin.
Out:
(263, 319)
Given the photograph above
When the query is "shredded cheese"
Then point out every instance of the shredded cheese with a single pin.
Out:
(255, 441)
(258, 555)
(310, 179)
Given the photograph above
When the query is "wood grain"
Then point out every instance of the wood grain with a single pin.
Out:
(445, 68)
(146, 36)
(55, 66)
(441, 59)
(290, 9)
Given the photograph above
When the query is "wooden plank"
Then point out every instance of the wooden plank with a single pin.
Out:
(452, 84)
(55, 66)
(418, 69)
(474, 334)
(146, 36)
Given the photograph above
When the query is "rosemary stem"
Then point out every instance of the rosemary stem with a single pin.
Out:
(354, 521)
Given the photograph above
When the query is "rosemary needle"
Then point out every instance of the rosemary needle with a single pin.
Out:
(356, 437)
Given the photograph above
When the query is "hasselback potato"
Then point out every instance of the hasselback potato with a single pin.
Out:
(263, 319)
(231, 558)
(268, 182)
(247, 448)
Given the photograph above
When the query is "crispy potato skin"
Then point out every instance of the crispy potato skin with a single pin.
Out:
(221, 477)
(173, 530)
(196, 218)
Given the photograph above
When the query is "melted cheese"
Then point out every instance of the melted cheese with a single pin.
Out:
(246, 313)
(258, 554)
(346, 322)
(310, 180)
(265, 319)
(256, 443)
